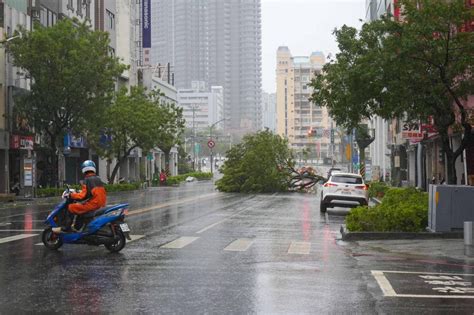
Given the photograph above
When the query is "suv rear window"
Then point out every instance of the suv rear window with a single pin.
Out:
(346, 179)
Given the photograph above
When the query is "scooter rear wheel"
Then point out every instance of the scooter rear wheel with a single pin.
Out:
(119, 243)
(51, 240)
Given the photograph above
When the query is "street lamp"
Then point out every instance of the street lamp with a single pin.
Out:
(210, 138)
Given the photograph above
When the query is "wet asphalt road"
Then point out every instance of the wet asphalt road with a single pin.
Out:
(199, 251)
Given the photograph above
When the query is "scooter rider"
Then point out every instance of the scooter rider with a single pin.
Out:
(92, 196)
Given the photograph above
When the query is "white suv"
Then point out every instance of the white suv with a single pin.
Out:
(344, 190)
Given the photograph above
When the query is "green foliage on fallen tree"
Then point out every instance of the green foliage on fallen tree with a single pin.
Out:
(257, 165)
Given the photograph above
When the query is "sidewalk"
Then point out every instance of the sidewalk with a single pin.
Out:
(446, 249)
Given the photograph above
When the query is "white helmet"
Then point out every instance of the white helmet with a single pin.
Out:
(88, 166)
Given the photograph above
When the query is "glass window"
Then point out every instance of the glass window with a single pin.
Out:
(88, 10)
(44, 17)
(79, 7)
(346, 179)
(110, 19)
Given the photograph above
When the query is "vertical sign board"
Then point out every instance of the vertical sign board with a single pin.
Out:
(146, 31)
(28, 172)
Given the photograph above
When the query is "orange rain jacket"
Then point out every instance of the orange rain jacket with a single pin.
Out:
(92, 195)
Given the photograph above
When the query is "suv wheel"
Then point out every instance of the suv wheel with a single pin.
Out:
(323, 207)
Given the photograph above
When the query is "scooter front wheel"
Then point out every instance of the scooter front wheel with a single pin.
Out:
(51, 240)
(119, 243)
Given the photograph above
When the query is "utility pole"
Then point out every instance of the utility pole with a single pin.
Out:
(193, 108)
(210, 138)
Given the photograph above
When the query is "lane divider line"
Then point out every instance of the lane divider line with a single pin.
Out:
(16, 238)
(23, 230)
(222, 221)
(167, 204)
(180, 242)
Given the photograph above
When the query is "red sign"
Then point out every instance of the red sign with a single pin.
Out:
(211, 144)
(21, 142)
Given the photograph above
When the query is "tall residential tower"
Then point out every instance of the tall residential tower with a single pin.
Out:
(217, 42)
(296, 115)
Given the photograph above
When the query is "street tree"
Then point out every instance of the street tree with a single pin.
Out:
(172, 125)
(256, 165)
(417, 68)
(72, 79)
(135, 119)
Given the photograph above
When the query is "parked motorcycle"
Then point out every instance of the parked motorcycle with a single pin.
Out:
(105, 226)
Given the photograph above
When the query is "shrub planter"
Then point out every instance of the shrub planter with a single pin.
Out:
(7, 197)
(372, 236)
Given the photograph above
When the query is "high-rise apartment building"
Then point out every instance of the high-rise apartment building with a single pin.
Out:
(218, 42)
(296, 115)
(269, 119)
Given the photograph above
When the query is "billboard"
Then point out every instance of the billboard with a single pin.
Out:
(146, 31)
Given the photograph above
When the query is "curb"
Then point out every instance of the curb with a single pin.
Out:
(375, 200)
(372, 236)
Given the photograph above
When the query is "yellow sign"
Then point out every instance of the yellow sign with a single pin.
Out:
(348, 152)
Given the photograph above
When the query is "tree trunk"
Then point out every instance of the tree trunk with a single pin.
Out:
(115, 170)
(53, 165)
(450, 159)
(109, 162)
(119, 162)
(167, 162)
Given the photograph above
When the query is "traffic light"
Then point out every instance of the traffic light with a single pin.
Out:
(441, 156)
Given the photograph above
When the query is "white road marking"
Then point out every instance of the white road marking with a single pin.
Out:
(426, 273)
(240, 245)
(15, 238)
(23, 230)
(170, 203)
(133, 237)
(388, 290)
(299, 248)
(384, 284)
(221, 221)
(180, 242)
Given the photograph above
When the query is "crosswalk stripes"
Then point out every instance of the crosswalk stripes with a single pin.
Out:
(15, 238)
(180, 242)
(240, 245)
(299, 248)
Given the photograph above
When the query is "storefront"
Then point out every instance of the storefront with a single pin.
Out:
(22, 162)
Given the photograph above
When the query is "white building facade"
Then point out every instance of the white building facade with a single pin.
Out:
(202, 107)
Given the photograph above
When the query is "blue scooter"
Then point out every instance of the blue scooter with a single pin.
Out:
(105, 226)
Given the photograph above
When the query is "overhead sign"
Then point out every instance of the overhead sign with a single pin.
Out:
(21, 142)
(415, 132)
(28, 172)
(412, 132)
(211, 144)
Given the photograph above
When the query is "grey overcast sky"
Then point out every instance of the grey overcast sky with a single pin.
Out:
(304, 26)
